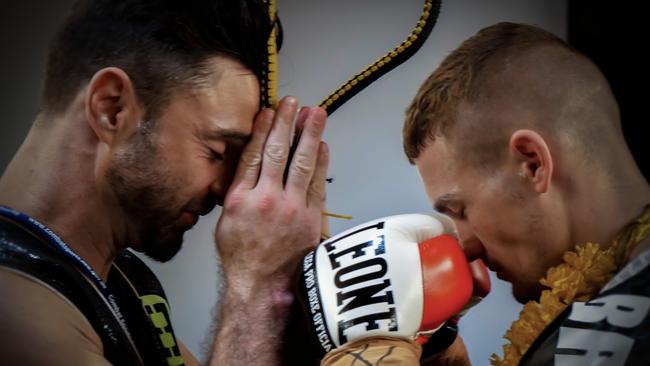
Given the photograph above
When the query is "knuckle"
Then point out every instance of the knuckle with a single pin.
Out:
(291, 211)
(314, 132)
(233, 203)
(302, 165)
(317, 190)
(275, 153)
(251, 158)
(267, 203)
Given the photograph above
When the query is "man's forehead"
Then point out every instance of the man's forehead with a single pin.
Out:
(228, 78)
(436, 158)
(215, 113)
(226, 66)
(437, 168)
(230, 95)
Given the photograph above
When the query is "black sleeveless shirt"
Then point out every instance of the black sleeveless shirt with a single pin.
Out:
(148, 338)
(611, 329)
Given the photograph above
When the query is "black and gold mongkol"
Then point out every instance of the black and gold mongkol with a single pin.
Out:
(269, 82)
(365, 77)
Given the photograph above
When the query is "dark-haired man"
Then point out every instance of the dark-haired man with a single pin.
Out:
(518, 139)
(148, 119)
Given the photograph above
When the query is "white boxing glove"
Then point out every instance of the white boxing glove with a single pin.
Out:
(401, 276)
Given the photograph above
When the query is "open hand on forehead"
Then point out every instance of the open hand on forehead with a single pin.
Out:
(267, 224)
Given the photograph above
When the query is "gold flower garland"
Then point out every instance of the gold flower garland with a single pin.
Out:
(584, 272)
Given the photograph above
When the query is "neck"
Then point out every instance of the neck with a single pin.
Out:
(611, 201)
(51, 179)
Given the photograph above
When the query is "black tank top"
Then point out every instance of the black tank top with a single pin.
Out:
(149, 338)
(611, 329)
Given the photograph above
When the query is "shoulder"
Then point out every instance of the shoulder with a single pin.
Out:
(622, 307)
(633, 278)
(138, 274)
(40, 326)
(611, 328)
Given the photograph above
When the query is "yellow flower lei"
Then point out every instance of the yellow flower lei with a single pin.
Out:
(584, 272)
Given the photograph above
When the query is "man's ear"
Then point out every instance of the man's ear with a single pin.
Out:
(533, 157)
(111, 105)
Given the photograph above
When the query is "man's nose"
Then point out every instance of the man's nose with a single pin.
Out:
(472, 246)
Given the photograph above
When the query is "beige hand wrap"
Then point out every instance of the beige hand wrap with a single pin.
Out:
(384, 351)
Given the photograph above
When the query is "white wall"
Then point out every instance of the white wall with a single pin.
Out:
(326, 42)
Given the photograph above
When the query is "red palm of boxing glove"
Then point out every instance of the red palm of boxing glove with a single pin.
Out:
(445, 336)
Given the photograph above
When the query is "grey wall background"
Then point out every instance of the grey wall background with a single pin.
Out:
(326, 42)
(25, 30)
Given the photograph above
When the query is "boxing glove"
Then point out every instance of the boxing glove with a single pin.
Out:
(402, 276)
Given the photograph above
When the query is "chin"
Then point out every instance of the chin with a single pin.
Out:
(163, 256)
(162, 248)
(524, 293)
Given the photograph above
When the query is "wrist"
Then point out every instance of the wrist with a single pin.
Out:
(376, 350)
(251, 306)
(263, 292)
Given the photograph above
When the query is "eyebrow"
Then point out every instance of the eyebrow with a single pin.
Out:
(226, 134)
(443, 201)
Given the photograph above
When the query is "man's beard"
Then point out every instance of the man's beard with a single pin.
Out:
(146, 193)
